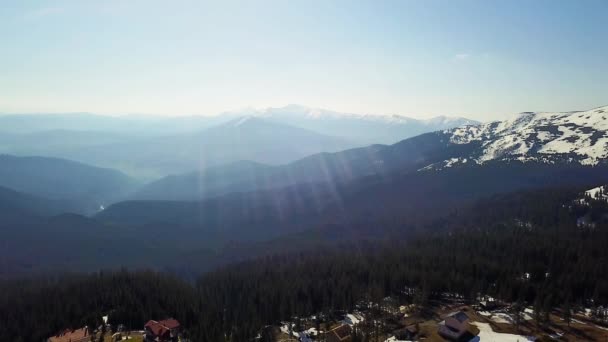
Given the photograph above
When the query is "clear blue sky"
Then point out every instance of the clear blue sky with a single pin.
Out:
(482, 59)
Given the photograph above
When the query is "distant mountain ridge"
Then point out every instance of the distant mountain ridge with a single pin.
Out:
(244, 138)
(468, 145)
(149, 147)
(362, 128)
(545, 137)
(338, 167)
(17, 206)
(86, 187)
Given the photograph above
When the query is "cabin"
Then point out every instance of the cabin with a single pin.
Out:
(167, 330)
(352, 319)
(69, 335)
(488, 303)
(341, 333)
(454, 325)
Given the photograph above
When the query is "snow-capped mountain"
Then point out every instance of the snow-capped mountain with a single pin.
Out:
(571, 137)
(360, 128)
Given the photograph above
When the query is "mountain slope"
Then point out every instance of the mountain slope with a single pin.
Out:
(19, 207)
(246, 138)
(575, 137)
(406, 156)
(369, 207)
(420, 173)
(58, 179)
(571, 137)
(150, 147)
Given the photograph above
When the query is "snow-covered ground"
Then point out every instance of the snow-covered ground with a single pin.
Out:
(579, 136)
(394, 339)
(501, 317)
(505, 318)
(597, 192)
(486, 334)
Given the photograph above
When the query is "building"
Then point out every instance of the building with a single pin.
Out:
(352, 319)
(340, 333)
(488, 303)
(167, 330)
(69, 335)
(454, 325)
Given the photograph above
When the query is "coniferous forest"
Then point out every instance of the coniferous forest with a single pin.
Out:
(528, 247)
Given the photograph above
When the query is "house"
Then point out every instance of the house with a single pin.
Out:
(352, 319)
(162, 331)
(454, 325)
(69, 335)
(340, 333)
(488, 303)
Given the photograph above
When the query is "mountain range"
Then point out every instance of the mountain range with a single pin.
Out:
(545, 138)
(363, 129)
(379, 182)
(210, 215)
(148, 147)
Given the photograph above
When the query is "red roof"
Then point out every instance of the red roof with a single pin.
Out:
(161, 328)
(170, 323)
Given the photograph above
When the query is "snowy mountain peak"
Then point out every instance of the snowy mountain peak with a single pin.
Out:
(296, 110)
(448, 121)
(540, 136)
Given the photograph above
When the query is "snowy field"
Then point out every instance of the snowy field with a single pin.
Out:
(486, 334)
(506, 318)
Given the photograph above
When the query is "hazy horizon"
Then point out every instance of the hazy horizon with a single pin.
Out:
(260, 110)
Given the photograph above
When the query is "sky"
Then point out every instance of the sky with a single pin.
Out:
(479, 59)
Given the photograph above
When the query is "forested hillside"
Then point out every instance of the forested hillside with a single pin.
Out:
(525, 247)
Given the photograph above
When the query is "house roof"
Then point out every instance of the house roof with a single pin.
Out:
(170, 323)
(161, 328)
(459, 316)
(342, 332)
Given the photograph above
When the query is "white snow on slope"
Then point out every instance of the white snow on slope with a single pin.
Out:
(595, 192)
(540, 137)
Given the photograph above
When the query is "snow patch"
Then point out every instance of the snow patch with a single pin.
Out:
(486, 334)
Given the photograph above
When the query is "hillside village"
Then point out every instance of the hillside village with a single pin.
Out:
(449, 318)
(167, 330)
